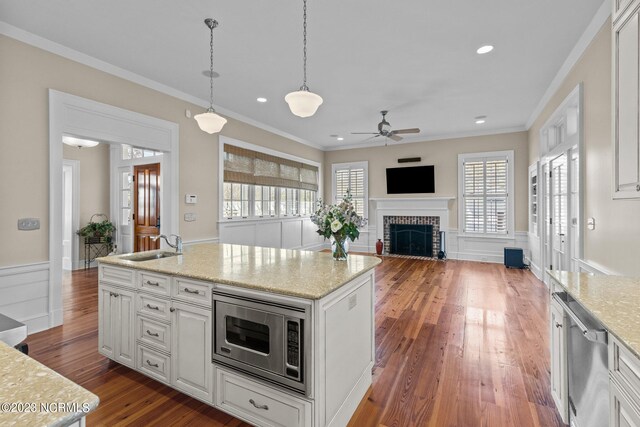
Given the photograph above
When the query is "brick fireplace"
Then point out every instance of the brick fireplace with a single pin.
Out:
(433, 221)
(432, 211)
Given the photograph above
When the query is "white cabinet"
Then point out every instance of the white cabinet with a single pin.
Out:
(116, 332)
(559, 378)
(191, 350)
(621, 412)
(626, 112)
(258, 404)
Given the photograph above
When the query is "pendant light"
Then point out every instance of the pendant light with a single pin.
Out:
(210, 121)
(303, 103)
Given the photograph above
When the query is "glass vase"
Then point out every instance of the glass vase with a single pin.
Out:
(339, 248)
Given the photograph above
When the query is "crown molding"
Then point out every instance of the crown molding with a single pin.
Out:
(576, 53)
(414, 139)
(90, 61)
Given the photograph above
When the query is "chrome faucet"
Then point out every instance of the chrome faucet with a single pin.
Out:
(178, 244)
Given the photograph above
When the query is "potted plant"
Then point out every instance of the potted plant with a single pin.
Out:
(98, 229)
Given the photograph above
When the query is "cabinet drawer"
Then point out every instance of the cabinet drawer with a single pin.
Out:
(624, 367)
(192, 291)
(117, 275)
(154, 307)
(154, 333)
(154, 364)
(259, 404)
(156, 283)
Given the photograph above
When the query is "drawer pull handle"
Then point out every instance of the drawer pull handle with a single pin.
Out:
(558, 325)
(172, 309)
(150, 283)
(153, 307)
(152, 334)
(253, 402)
(638, 187)
(154, 365)
(191, 291)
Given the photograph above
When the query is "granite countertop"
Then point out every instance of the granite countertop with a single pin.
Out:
(304, 274)
(33, 395)
(614, 300)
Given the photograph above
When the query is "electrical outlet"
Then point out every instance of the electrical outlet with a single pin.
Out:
(189, 217)
(353, 301)
(29, 224)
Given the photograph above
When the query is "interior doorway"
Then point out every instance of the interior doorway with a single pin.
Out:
(146, 205)
(561, 184)
(70, 214)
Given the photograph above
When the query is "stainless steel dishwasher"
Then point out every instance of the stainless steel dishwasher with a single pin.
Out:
(587, 366)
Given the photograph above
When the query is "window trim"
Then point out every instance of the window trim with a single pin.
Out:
(222, 140)
(484, 156)
(352, 165)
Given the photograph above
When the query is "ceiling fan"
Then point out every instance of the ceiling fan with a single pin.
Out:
(384, 129)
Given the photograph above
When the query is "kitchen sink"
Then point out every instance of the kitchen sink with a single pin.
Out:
(149, 256)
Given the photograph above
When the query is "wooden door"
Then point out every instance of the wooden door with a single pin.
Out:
(146, 203)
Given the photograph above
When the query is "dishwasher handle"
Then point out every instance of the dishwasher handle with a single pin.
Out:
(593, 335)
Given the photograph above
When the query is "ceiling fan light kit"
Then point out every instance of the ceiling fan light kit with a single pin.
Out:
(210, 121)
(303, 102)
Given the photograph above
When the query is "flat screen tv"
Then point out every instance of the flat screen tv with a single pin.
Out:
(417, 179)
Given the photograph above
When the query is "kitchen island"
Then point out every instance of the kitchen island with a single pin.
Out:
(271, 336)
(614, 301)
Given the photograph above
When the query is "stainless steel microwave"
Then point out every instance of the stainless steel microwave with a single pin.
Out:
(265, 339)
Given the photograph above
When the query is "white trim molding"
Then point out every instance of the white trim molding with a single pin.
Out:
(581, 46)
(25, 297)
(73, 115)
(468, 248)
(586, 266)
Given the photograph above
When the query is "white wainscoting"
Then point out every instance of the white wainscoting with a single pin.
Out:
(24, 295)
(532, 255)
(586, 266)
(196, 242)
(285, 233)
(483, 249)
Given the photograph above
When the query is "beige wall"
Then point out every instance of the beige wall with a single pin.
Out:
(26, 74)
(443, 155)
(614, 242)
(93, 182)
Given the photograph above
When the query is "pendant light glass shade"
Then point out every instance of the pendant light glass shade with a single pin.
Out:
(303, 103)
(210, 121)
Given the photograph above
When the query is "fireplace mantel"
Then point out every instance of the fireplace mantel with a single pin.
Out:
(411, 206)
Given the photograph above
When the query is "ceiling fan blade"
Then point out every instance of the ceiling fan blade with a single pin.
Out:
(364, 133)
(395, 137)
(412, 130)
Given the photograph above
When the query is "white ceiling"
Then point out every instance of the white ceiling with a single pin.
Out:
(415, 58)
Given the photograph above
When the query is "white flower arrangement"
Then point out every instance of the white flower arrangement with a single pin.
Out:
(339, 221)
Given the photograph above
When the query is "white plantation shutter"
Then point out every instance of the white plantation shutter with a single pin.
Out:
(485, 194)
(351, 178)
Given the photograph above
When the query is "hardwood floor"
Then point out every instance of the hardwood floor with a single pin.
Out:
(458, 344)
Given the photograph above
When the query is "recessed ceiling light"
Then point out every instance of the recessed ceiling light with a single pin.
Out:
(480, 119)
(484, 49)
(261, 99)
(340, 138)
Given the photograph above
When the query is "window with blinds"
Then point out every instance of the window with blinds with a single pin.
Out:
(353, 178)
(261, 185)
(485, 203)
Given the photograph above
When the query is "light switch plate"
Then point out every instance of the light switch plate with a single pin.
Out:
(591, 223)
(189, 217)
(190, 199)
(29, 224)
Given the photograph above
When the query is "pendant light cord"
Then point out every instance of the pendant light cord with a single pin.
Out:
(304, 46)
(211, 71)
